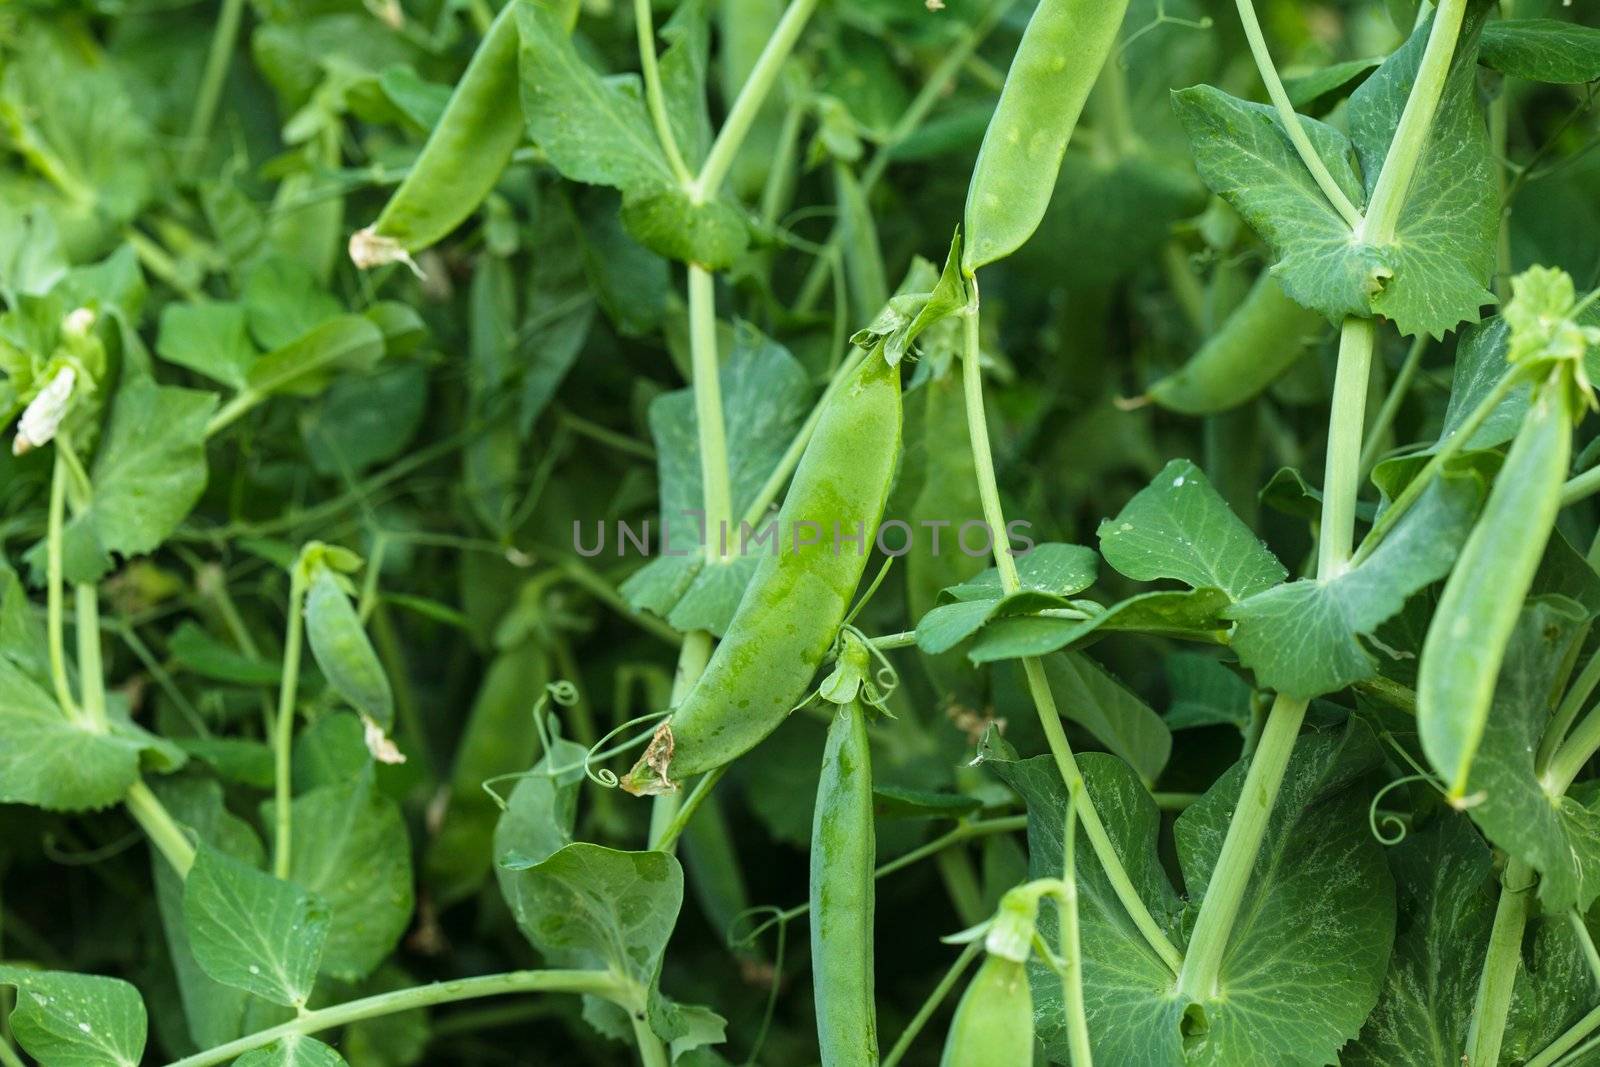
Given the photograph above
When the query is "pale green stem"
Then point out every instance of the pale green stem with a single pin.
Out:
(1572, 754)
(651, 1052)
(1292, 125)
(668, 812)
(283, 743)
(1580, 487)
(655, 99)
(160, 827)
(1071, 948)
(1038, 685)
(718, 496)
(1341, 480)
(748, 103)
(223, 39)
(1391, 404)
(1567, 712)
(675, 823)
(592, 983)
(1581, 930)
(1416, 124)
(1493, 1005)
(8, 1055)
(91, 672)
(55, 613)
(903, 639)
(242, 403)
(1567, 1041)
(918, 1021)
(775, 194)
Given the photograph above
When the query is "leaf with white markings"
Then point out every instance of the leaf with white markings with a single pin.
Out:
(76, 1020)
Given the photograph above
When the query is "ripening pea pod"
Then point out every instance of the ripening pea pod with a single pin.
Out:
(462, 159)
(340, 646)
(1483, 596)
(1262, 338)
(799, 594)
(843, 853)
(993, 1024)
(1057, 63)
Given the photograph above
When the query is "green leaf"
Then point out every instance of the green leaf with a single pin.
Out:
(1542, 50)
(365, 419)
(895, 802)
(295, 1050)
(712, 234)
(76, 1020)
(1087, 694)
(1443, 251)
(1205, 692)
(304, 365)
(1304, 639)
(339, 643)
(683, 80)
(351, 850)
(1555, 987)
(1320, 89)
(1046, 576)
(209, 339)
(592, 129)
(1244, 156)
(283, 302)
(1192, 614)
(1179, 527)
(148, 472)
(1446, 886)
(32, 260)
(252, 931)
(1479, 366)
(198, 651)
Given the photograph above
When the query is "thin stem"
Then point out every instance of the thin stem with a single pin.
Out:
(667, 839)
(242, 403)
(1567, 1041)
(283, 743)
(593, 983)
(1500, 965)
(1572, 754)
(655, 99)
(1567, 712)
(1416, 125)
(54, 596)
(160, 827)
(1585, 942)
(748, 104)
(212, 81)
(667, 817)
(1214, 925)
(1391, 404)
(918, 1021)
(91, 673)
(718, 496)
(602, 590)
(651, 1052)
(8, 1055)
(1580, 487)
(1038, 685)
(775, 194)
(1341, 480)
(1291, 121)
(1071, 949)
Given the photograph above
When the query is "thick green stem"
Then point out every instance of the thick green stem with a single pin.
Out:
(55, 614)
(283, 743)
(718, 496)
(160, 827)
(748, 104)
(223, 39)
(1581, 487)
(1567, 712)
(593, 983)
(1038, 685)
(651, 1052)
(1500, 965)
(1573, 753)
(655, 99)
(1341, 480)
(1202, 964)
(91, 672)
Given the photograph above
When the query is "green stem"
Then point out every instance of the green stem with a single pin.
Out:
(91, 672)
(1341, 480)
(1038, 685)
(918, 1021)
(718, 496)
(651, 1052)
(748, 104)
(1581, 930)
(592, 983)
(668, 812)
(1071, 949)
(283, 743)
(1567, 712)
(961, 885)
(8, 1055)
(54, 594)
(775, 194)
(212, 81)
(1581, 487)
(677, 821)
(1572, 754)
(1500, 965)
(1567, 1041)
(242, 403)
(1292, 125)
(1202, 964)
(1391, 404)
(1416, 124)
(655, 99)
(603, 591)
(160, 827)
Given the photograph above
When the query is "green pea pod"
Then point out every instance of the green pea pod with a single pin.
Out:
(993, 1025)
(342, 650)
(798, 596)
(1481, 600)
(462, 159)
(1261, 339)
(843, 852)
(1062, 50)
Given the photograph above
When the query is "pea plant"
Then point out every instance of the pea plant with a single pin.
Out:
(698, 532)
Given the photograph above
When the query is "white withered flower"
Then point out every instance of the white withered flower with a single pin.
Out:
(42, 419)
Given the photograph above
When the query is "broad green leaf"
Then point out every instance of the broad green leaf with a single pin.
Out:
(1480, 365)
(339, 643)
(1245, 157)
(683, 80)
(1191, 614)
(1205, 692)
(1443, 251)
(76, 1020)
(712, 234)
(593, 129)
(1087, 694)
(1046, 576)
(1555, 987)
(352, 851)
(492, 459)
(538, 819)
(252, 931)
(1305, 638)
(148, 472)
(764, 397)
(32, 260)
(1558, 837)
(296, 1050)
(283, 302)
(240, 760)
(1445, 884)
(196, 650)
(303, 365)
(209, 339)
(1542, 50)
(1179, 527)
(366, 419)
(1317, 91)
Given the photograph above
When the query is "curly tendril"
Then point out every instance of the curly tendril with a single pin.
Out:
(607, 778)
(1396, 826)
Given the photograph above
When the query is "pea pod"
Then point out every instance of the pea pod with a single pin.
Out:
(1261, 339)
(798, 595)
(1481, 600)
(1057, 63)
(342, 650)
(843, 851)
(462, 159)
(993, 1025)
